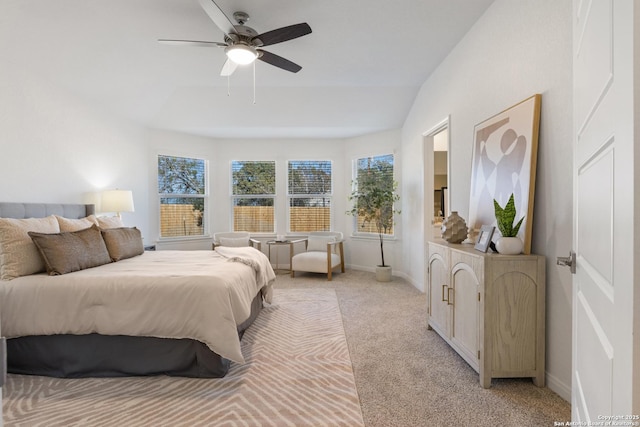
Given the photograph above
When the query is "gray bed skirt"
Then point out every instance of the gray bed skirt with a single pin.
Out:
(94, 355)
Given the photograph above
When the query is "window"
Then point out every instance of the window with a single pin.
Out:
(183, 196)
(309, 195)
(253, 191)
(376, 171)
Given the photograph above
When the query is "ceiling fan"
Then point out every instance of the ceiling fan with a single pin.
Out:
(243, 44)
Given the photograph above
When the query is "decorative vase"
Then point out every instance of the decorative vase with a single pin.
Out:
(454, 228)
(383, 274)
(509, 245)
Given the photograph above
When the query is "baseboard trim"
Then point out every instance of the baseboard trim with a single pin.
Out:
(394, 272)
(560, 388)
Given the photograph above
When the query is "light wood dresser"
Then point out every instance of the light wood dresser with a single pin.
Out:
(490, 309)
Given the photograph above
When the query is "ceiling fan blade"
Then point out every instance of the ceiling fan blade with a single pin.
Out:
(282, 34)
(228, 68)
(278, 61)
(191, 43)
(217, 16)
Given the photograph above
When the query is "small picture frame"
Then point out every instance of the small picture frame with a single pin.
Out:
(484, 238)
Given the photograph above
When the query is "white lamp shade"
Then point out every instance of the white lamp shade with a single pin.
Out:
(117, 201)
(241, 54)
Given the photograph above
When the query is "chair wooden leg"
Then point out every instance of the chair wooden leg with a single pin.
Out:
(329, 262)
(292, 273)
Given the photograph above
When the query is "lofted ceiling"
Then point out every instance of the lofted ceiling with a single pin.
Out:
(362, 65)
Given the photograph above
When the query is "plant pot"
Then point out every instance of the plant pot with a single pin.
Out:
(383, 274)
(509, 245)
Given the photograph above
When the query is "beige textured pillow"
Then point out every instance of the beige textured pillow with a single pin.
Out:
(71, 251)
(69, 224)
(105, 222)
(123, 243)
(236, 242)
(18, 255)
(319, 243)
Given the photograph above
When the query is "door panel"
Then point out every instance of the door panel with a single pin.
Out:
(512, 348)
(593, 60)
(595, 197)
(603, 206)
(464, 331)
(595, 383)
(438, 309)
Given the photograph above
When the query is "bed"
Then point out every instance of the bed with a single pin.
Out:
(178, 313)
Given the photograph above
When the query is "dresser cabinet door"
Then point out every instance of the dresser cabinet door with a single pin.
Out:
(465, 317)
(438, 294)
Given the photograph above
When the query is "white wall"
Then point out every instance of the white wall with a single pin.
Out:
(515, 50)
(55, 148)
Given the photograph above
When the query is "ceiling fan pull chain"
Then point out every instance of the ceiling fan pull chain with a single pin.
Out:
(254, 82)
(229, 85)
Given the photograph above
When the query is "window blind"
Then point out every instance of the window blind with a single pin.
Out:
(309, 192)
(378, 170)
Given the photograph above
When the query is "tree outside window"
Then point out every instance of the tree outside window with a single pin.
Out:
(183, 196)
(253, 188)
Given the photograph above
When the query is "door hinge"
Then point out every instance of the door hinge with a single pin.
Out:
(478, 296)
(478, 354)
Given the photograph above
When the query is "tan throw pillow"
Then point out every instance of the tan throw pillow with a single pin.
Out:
(71, 251)
(69, 224)
(123, 243)
(105, 222)
(18, 255)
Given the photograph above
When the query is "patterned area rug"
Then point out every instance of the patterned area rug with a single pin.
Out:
(298, 373)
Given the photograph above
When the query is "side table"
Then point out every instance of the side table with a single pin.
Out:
(280, 243)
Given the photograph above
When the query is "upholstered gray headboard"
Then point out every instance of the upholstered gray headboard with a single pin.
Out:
(41, 210)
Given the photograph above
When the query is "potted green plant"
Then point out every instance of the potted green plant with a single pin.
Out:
(509, 243)
(374, 196)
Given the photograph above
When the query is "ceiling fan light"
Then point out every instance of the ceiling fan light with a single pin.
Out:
(241, 54)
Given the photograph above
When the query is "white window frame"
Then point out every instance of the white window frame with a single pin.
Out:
(205, 218)
(354, 176)
(328, 195)
(233, 196)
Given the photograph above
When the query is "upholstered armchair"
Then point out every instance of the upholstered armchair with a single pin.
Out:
(235, 238)
(323, 253)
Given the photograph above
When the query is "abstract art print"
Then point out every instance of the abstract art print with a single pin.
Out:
(505, 151)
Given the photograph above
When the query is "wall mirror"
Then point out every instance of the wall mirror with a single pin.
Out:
(437, 170)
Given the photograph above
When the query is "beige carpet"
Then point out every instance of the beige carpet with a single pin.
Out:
(407, 376)
(298, 373)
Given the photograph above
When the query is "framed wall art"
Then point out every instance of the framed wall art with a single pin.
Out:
(505, 149)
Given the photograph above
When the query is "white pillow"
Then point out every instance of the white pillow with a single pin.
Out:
(319, 243)
(69, 224)
(236, 242)
(106, 222)
(19, 256)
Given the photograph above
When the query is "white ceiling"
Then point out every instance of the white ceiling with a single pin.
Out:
(363, 64)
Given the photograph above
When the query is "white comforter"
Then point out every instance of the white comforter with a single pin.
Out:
(201, 295)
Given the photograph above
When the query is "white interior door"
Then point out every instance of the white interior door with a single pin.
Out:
(603, 209)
